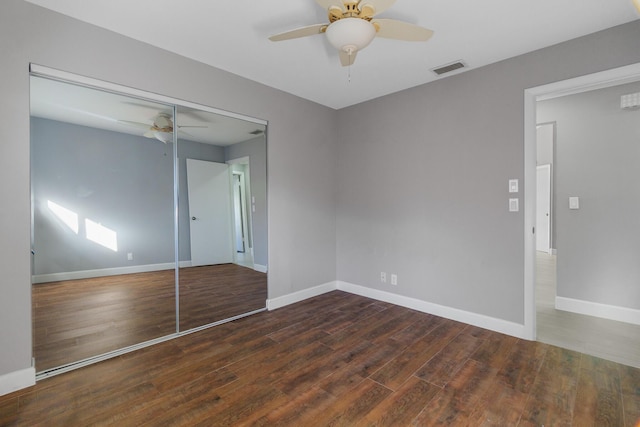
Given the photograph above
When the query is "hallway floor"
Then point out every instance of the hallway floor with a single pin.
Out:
(607, 339)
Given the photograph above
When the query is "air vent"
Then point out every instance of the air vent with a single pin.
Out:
(257, 132)
(448, 68)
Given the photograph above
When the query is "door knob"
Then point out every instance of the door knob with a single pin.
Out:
(193, 218)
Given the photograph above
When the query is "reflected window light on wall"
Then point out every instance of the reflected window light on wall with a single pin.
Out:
(69, 218)
(101, 235)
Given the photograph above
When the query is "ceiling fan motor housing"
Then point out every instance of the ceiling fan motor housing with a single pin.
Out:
(350, 34)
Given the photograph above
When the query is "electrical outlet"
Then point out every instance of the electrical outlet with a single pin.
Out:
(394, 279)
(129, 256)
(383, 277)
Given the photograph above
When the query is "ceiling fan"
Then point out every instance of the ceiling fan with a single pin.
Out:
(352, 27)
(161, 127)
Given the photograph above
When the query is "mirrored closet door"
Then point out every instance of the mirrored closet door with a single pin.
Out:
(148, 220)
(222, 221)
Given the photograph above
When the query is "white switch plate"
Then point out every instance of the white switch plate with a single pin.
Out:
(394, 279)
(574, 202)
(383, 277)
(513, 186)
(130, 256)
(514, 205)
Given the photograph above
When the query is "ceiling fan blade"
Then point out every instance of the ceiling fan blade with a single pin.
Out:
(326, 4)
(347, 59)
(311, 30)
(194, 126)
(371, 8)
(138, 124)
(399, 30)
(149, 134)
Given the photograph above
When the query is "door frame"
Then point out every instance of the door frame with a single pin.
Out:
(608, 78)
(243, 209)
(246, 161)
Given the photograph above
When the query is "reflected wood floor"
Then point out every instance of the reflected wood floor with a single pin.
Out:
(337, 359)
(608, 339)
(77, 319)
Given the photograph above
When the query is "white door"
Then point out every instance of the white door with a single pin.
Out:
(543, 209)
(209, 212)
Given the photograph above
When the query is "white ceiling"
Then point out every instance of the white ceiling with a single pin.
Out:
(232, 35)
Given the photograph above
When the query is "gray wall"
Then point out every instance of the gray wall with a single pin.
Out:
(124, 182)
(255, 149)
(423, 178)
(121, 181)
(301, 152)
(597, 153)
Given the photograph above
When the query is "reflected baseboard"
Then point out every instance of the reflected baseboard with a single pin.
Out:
(260, 268)
(88, 274)
(102, 272)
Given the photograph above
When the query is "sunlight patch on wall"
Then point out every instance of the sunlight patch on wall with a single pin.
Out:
(101, 235)
(69, 218)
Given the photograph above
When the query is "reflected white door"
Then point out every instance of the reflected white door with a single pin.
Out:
(209, 212)
(543, 209)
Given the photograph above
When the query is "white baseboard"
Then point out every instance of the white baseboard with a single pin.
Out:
(87, 274)
(17, 380)
(482, 321)
(275, 303)
(260, 268)
(611, 312)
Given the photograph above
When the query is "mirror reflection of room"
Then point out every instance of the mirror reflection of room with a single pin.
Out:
(104, 221)
(222, 220)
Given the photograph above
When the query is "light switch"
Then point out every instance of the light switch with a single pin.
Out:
(514, 205)
(574, 202)
(513, 186)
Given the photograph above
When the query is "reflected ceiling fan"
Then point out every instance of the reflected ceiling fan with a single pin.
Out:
(161, 127)
(352, 27)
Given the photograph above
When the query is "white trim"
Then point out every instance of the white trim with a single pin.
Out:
(115, 271)
(275, 303)
(604, 311)
(14, 381)
(261, 268)
(482, 321)
(598, 80)
(52, 73)
(239, 161)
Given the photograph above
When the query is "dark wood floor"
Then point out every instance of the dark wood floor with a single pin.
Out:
(337, 359)
(77, 319)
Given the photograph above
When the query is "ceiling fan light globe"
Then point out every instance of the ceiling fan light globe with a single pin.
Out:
(636, 3)
(350, 34)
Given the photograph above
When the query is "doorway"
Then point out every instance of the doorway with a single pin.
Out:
(578, 241)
